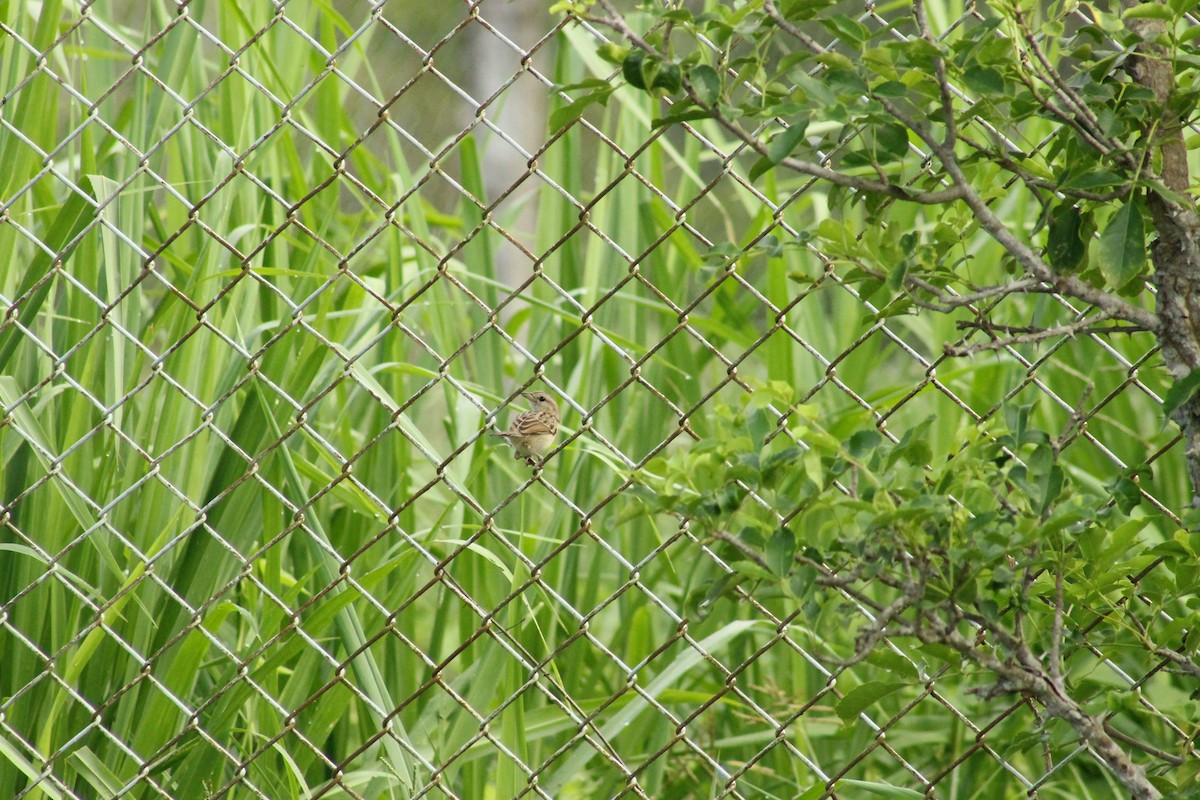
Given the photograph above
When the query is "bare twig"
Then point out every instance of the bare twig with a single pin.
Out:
(748, 552)
(787, 27)
(893, 190)
(1185, 665)
(827, 577)
(950, 302)
(939, 71)
(1015, 335)
(617, 22)
(1169, 758)
(1056, 633)
(1014, 330)
(870, 636)
(947, 302)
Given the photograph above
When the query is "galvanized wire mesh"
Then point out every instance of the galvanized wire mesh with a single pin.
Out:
(420, 89)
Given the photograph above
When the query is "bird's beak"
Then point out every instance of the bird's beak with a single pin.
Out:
(528, 396)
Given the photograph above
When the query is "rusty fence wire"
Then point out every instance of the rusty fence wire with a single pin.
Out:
(272, 273)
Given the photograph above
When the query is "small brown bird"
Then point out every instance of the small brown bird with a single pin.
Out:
(532, 432)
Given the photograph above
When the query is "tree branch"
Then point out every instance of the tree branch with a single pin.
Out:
(1056, 633)
(952, 302)
(1032, 681)
(1132, 741)
(870, 635)
(1185, 665)
(809, 42)
(1016, 334)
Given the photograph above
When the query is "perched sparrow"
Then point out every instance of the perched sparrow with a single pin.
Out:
(532, 432)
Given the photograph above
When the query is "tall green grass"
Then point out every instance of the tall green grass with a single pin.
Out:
(254, 540)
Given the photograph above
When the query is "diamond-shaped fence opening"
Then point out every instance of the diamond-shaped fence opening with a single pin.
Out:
(275, 275)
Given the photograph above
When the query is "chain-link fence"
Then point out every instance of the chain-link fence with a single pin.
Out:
(274, 270)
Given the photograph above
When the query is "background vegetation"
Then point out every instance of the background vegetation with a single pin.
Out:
(255, 542)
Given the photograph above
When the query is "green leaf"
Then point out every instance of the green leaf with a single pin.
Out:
(983, 80)
(803, 9)
(1065, 246)
(802, 581)
(846, 81)
(895, 663)
(96, 772)
(860, 698)
(1121, 252)
(759, 425)
(913, 446)
(647, 72)
(1051, 486)
(1181, 392)
(781, 551)
(858, 158)
(918, 54)
(705, 83)
(572, 111)
(1091, 181)
(896, 277)
(891, 142)
(847, 29)
(77, 212)
(863, 442)
(1149, 11)
(631, 69)
(14, 755)
(21, 418)
(890, 89)
(782, 145)
(681, 112)
(761, 167)
(592, 84)
(1126, 494)
(942, 653)
(644, 700)
(678, 15)
(751, 569)
(613, 53)
(669, 78)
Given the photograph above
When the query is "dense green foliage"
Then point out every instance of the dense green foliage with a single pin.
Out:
(992, 558)
(1037, 129)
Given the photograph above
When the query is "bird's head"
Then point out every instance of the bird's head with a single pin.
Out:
(540, 401)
